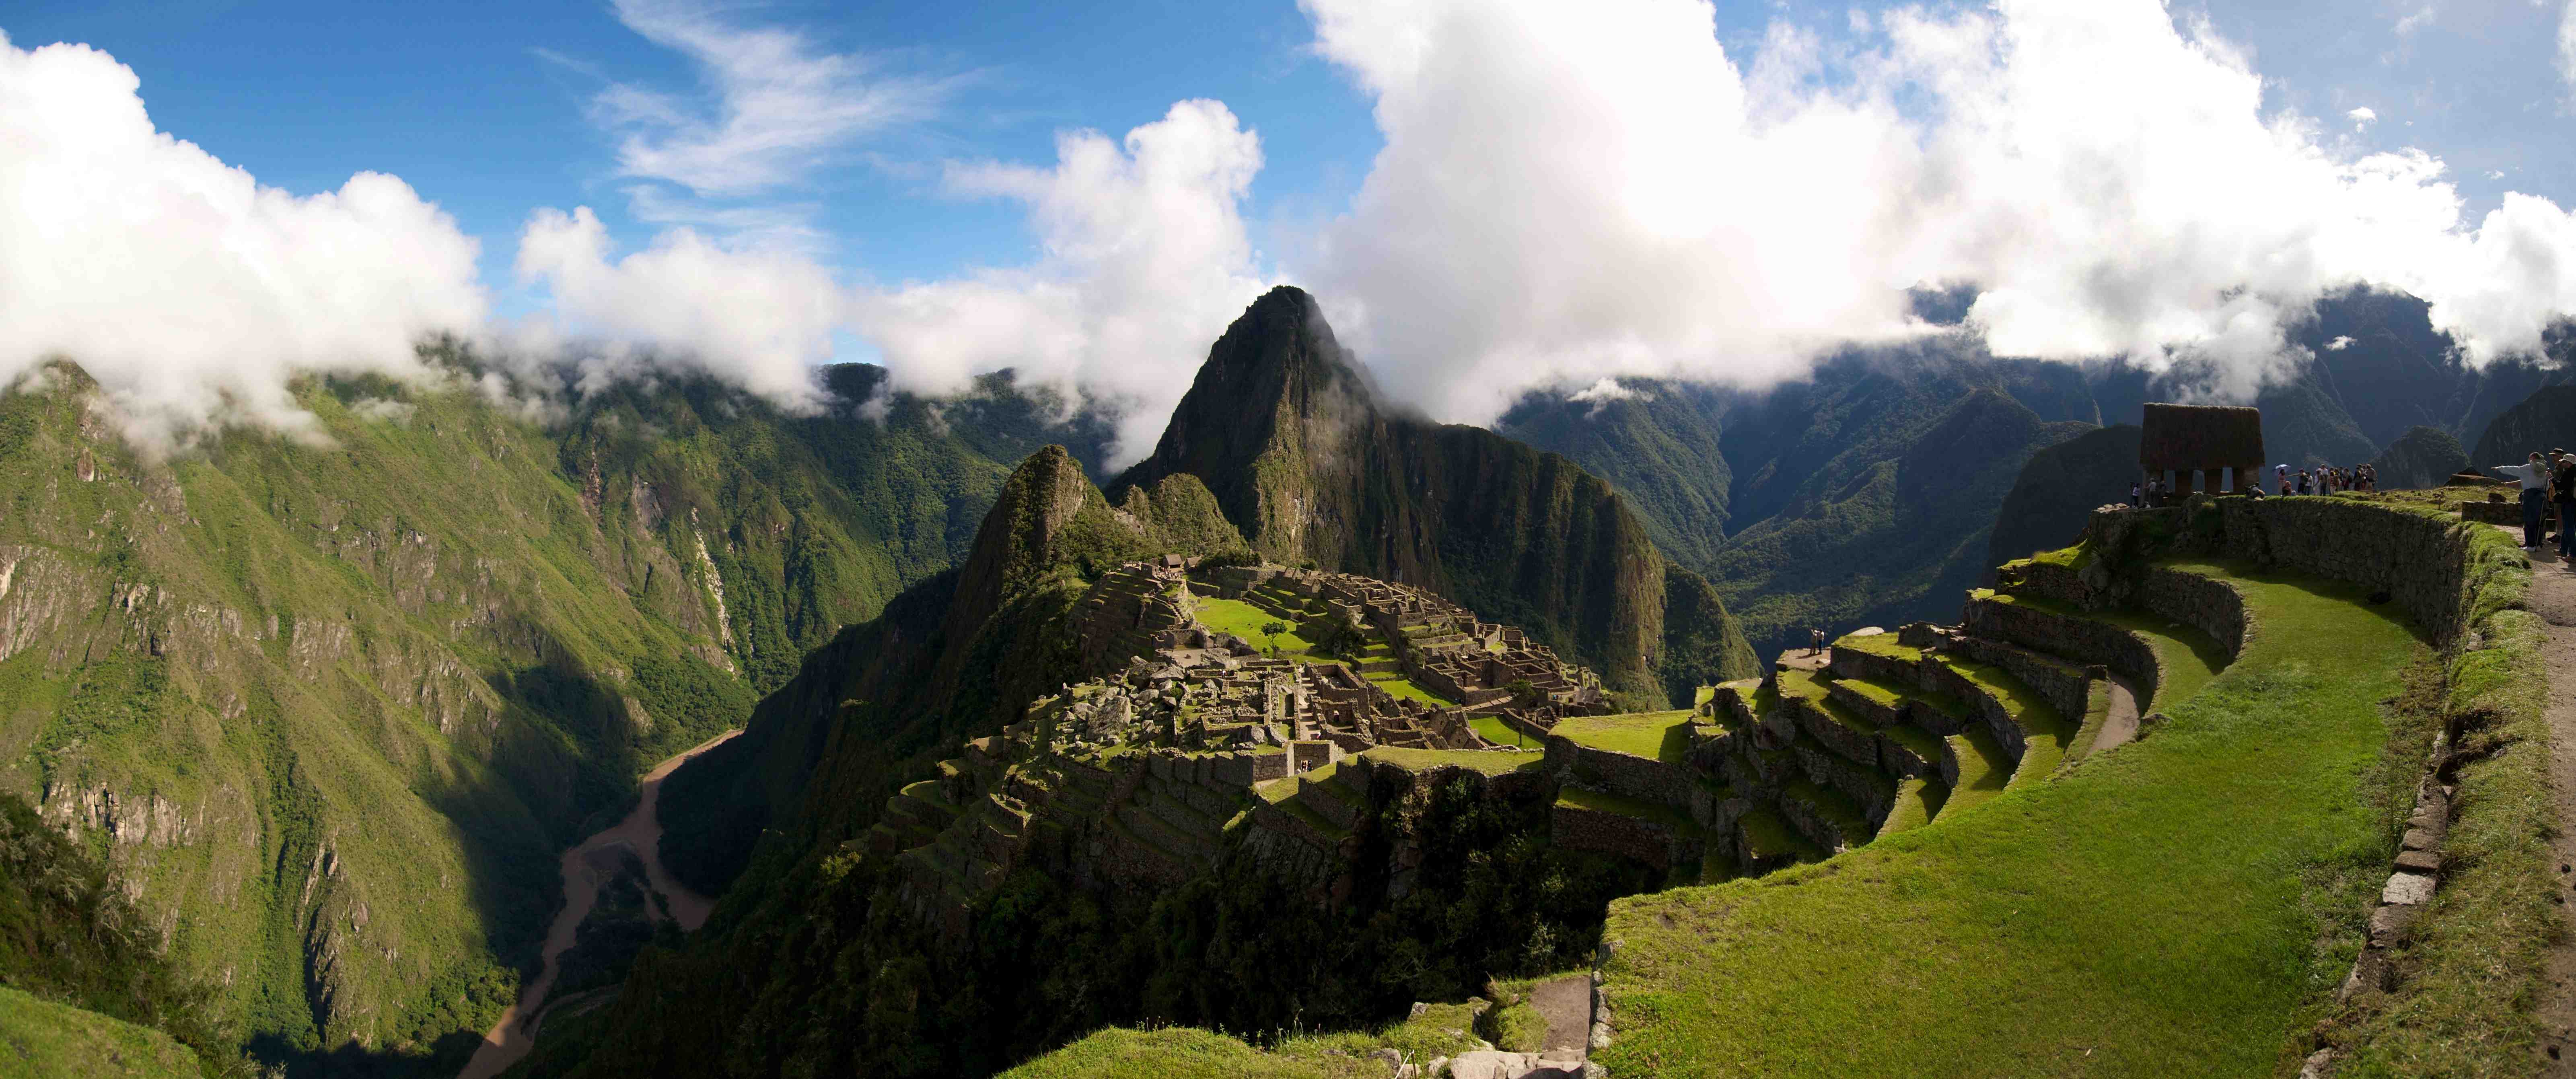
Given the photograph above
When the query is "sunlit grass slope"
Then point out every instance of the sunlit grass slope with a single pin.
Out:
(2175, 907)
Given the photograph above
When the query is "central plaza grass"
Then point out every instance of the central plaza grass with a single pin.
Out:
(1245, 620)
(2179, 906)
(1663, 736)
(1501, 733)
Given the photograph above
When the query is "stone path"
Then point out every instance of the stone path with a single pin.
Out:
(1566, 1004)
(2122, 724)
(641, 832)
(2553, 597)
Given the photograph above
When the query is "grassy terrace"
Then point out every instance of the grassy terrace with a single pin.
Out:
(1918, 800)
(1244, 619)
(1663, 736)
(1625, 807)
(1184, 1053)
(1492, 762)
(2123, 920)
(1500, 733)
(2186, 658)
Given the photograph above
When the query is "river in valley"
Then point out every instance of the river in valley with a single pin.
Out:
(583, 874)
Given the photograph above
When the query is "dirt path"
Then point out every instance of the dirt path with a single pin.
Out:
(2553, 597)
(1566, 1004)
(583, 873)
(2122, 724)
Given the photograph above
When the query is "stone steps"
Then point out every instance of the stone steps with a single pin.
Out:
(1983, 769)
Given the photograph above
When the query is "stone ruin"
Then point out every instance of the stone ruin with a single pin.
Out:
(2179, 444)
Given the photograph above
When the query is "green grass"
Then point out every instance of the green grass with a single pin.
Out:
(1663, 736)
(1492, 762)
(1403, 687)
(1499, 732)
(1880, 644)
(40, 1039)
(2186, 658)
(2123, 920)
(1244, 619)
(1984, 769)
(1625, 806)
(1834, 806)
(1442, 1030)
(1918, 801)
(1768, 836)
(2047, 737)
(1891, 694)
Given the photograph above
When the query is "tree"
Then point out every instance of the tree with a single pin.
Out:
(1270, 632)
(1524, 695)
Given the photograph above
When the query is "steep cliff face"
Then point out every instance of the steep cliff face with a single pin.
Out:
(1286, 433)
(2422, 457)
(958, 653)
(2057, 491)
(2544, 421)
(330, 708)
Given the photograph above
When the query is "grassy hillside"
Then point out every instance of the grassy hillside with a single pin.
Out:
(2115, 922)
(84, 988)
(331, 704)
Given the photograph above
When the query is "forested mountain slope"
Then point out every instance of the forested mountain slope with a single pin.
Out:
(332, 705)
(1721, 476)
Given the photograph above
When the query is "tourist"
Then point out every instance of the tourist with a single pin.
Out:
(2283, 471)
(2304, 481)
(2155, 490)
(2136, 499)
(2565, 480)
(1815, 642)
(2535, 485)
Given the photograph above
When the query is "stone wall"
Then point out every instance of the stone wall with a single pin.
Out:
(2066, 687)
(2077, 640)
(2203, 603)
(1652, 842)
(2411, 556)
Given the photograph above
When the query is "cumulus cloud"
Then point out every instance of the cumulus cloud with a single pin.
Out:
(2339, 344)
(1144, 261)
(1571, 193)
(2361, 117)
(760, 318)
(190, 292)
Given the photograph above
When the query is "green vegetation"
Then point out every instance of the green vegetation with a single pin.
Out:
(2186, 658)
(82, 977)
(1440, 1031)
(44, 1040)
(1489, 761)
(2476, 964)
(1262, 626)
(1602, 802)
(1663, 736)
(1502, 734)
(412, 657)
(2117, 921)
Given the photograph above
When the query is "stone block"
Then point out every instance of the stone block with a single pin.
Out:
(2419, 861)
(2407, 889)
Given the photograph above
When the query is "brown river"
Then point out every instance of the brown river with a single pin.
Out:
(640, 832)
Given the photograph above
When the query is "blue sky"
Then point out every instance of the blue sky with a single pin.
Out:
(1486, 195)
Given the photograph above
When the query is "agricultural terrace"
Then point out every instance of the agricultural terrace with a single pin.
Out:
(2122, 920)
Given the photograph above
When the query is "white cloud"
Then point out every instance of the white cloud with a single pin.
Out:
(190, 292)
(759, 318)
(784, 105)
(1145, 260)
(2361, 117)
(2339, 344)
(2418, 19)
(1568, 193)
(2567, 45)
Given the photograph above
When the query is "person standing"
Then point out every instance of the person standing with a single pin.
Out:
(2136, 499)
(2565, 480)
(1815, 642)
(2535, 484)
(2283, 471)
(2305, 480)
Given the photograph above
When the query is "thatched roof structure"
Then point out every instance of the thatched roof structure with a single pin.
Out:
(2183, 438)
